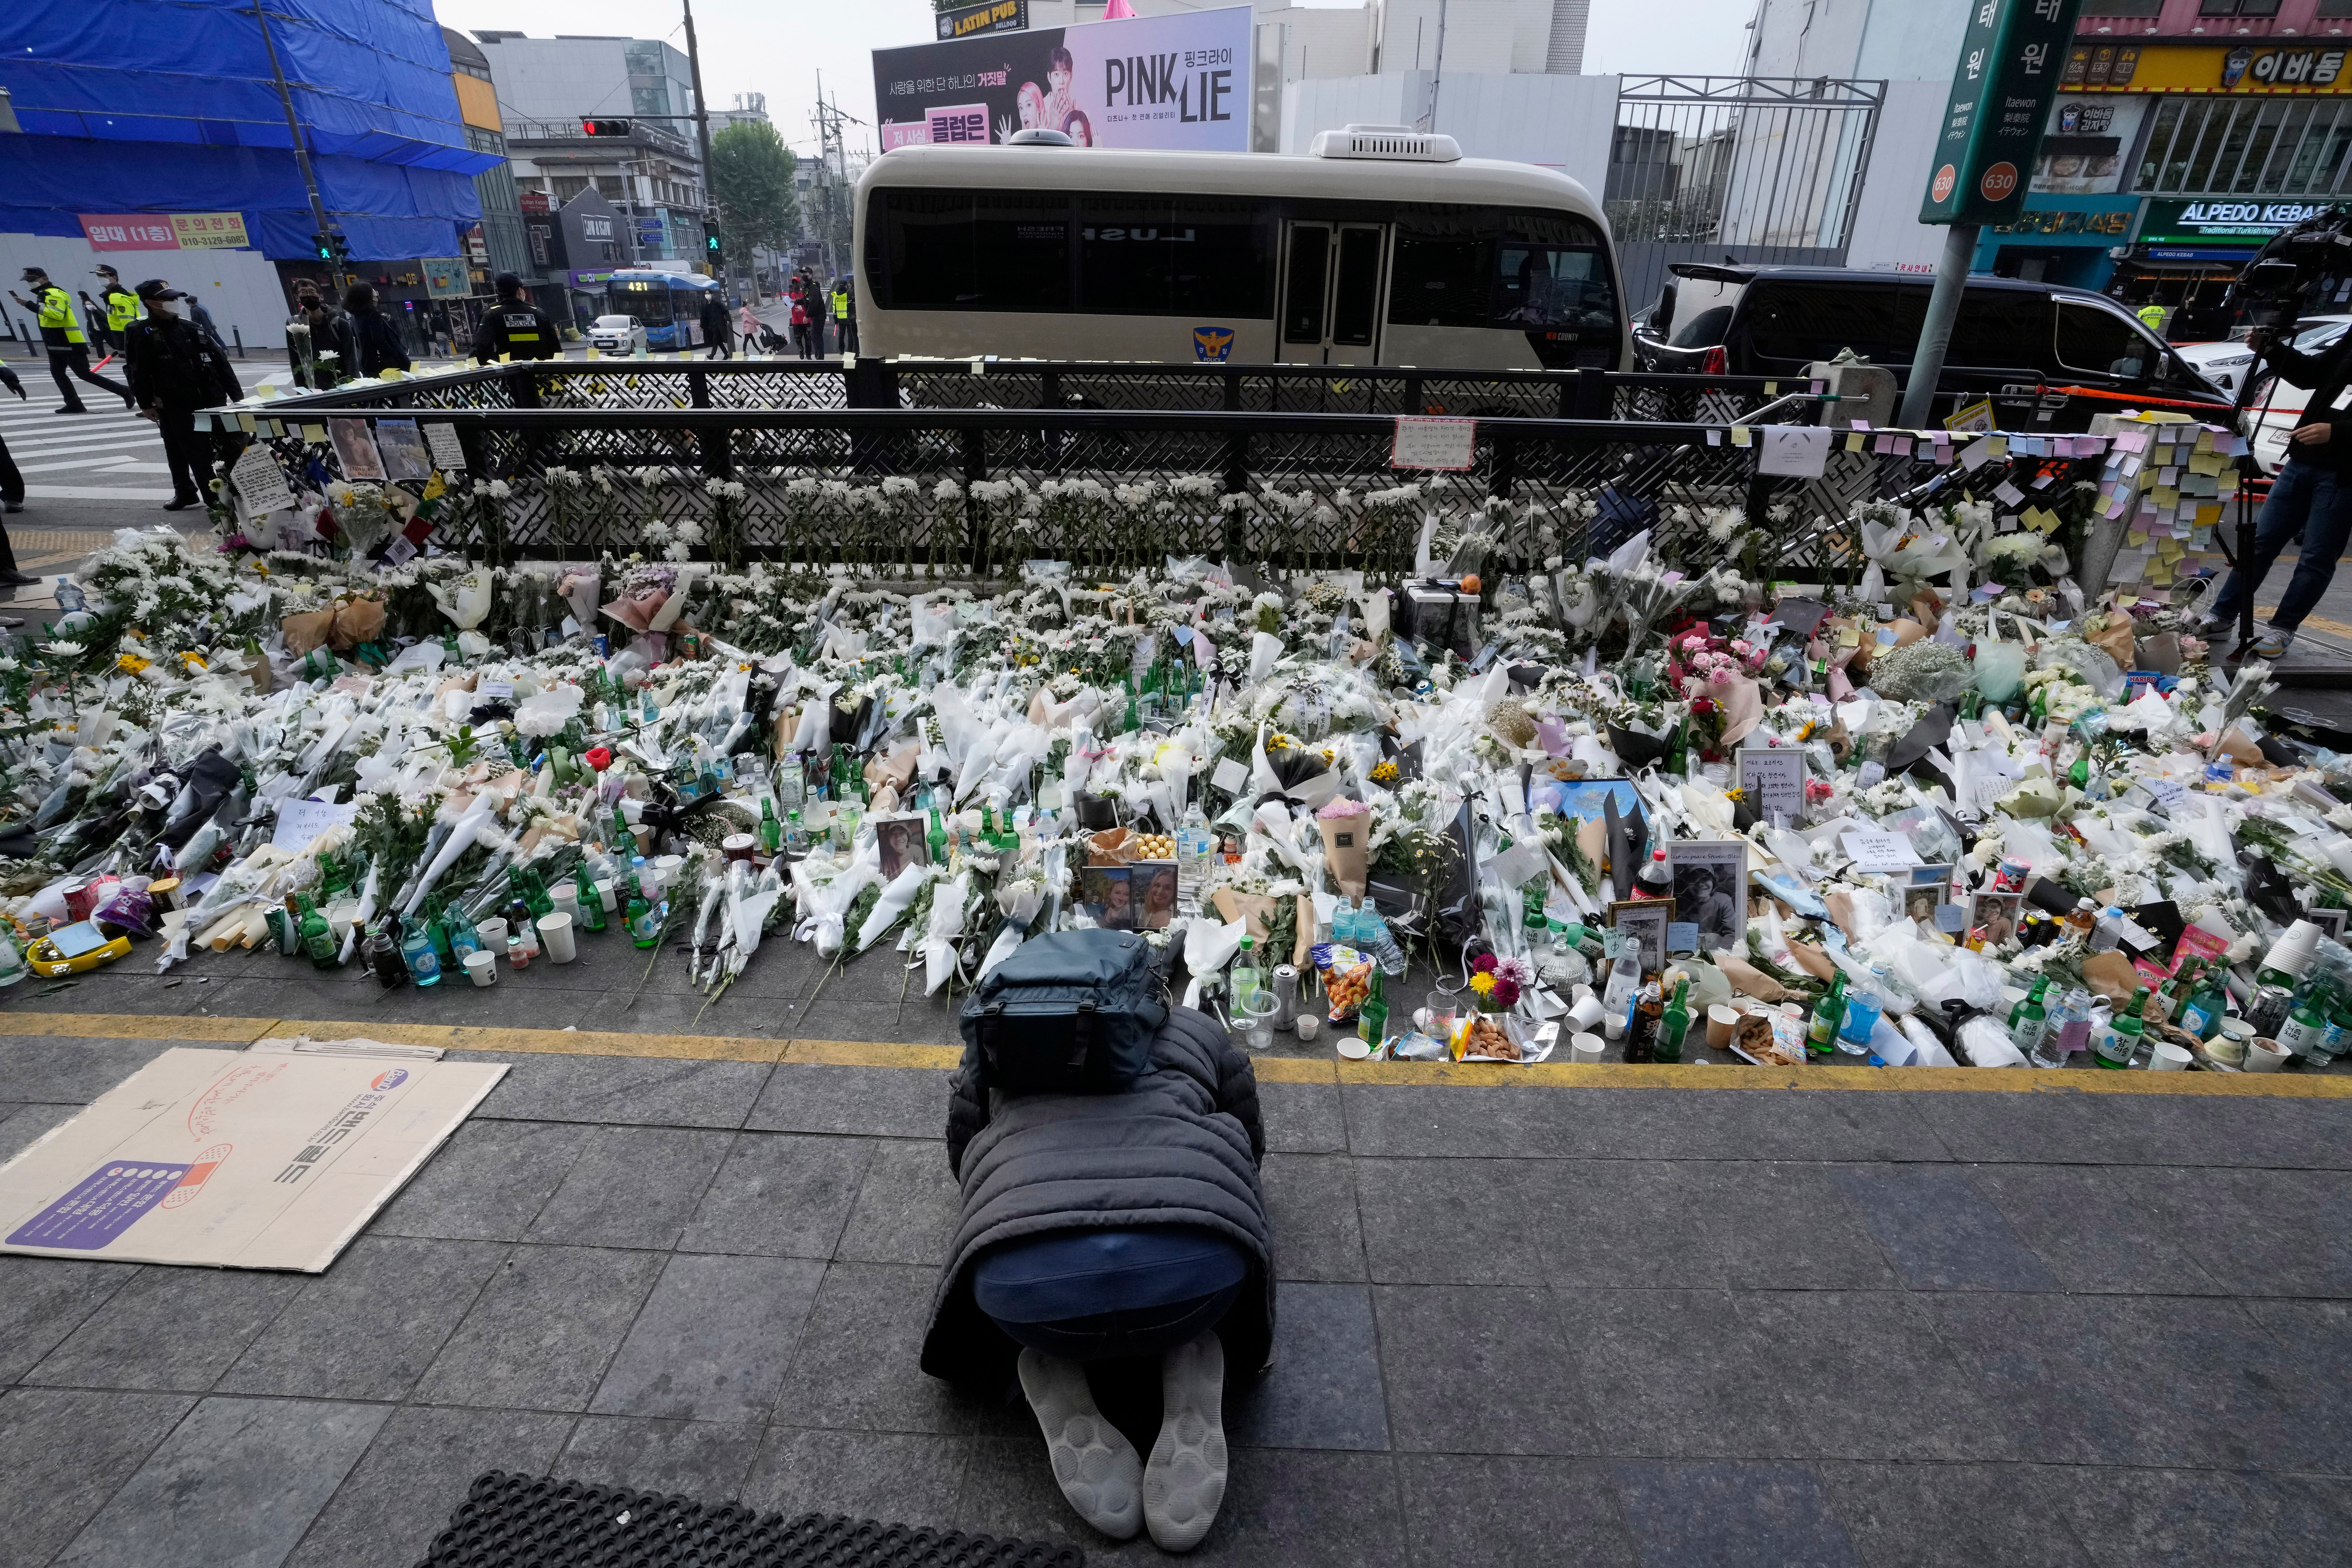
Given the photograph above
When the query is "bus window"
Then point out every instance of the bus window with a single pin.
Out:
(1311, 262)
(1440, 282)
(959, 250)
(1356, 302)
(1555, 287)
(1174, 256)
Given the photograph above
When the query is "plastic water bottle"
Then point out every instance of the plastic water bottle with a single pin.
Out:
(1343, 924)
(1372, 932)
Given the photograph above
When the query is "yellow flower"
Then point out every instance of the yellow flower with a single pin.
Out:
(130, 663)
(1483, 983)
(1385, 773)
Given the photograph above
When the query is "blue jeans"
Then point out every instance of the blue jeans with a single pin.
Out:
(2308, 502)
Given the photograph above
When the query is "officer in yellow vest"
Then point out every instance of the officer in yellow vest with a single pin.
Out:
(2152, 318)
(845, 320)
(61, 335)
(121, 305)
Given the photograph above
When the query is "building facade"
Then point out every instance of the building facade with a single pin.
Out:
(550, 89)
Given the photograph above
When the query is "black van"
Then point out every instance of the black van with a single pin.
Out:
(2014, 342)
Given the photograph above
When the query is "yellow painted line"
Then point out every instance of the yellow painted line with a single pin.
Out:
(1715, 1074)
(2318, 623)
(134, 1027)
(545, 1042)
(861, 1054)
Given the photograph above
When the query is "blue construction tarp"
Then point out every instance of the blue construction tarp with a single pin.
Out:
(135, 106)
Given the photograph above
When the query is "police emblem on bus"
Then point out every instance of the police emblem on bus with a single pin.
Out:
(1212, 345)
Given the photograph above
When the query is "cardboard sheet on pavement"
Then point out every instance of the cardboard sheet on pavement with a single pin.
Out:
(234, 1159)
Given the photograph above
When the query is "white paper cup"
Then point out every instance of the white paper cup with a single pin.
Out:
(605, 892)
(481, 968)
(1586, 1047)
(1306, 1023)
(2265, 1056)
(2168, 1058)
(565, 897)
(555, 937)
(1586, 1013)
(1613, 1027)
(1722, 1019)
(665, 868)
(493, 932)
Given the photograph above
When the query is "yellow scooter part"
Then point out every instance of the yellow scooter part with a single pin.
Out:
(48, 962)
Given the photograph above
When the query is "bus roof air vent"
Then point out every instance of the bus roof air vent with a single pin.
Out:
(1390, 144)
(1036, 137)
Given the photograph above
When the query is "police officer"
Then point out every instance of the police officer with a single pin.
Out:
(2152, 316)
(61, 335)
(120, 305)
(515, 328)
(844, 315)
(176, 367)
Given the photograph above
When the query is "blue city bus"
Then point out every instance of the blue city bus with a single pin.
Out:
(668, 303)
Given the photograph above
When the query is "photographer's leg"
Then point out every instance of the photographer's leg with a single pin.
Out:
(2282, 519)
(2325, 531)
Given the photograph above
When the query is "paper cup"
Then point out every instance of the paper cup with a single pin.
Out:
(2236, 1028)
(605, 893)
(2167, 1058)
(1721, 1020)
(493, 932)
(1586, 1013)
(1355, 1047)
(2227, 1051)
(1306, 1023)
(2265, 1055)
(481, 969)
(565, 895)
(665, 868)
(1586, 1047)
(555, 937)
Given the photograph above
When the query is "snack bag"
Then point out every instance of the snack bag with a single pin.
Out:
(1347, 983)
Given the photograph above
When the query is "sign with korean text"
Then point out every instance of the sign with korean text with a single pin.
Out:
(2011, 60)
(995, 16)
(266, 1158)
(1432, 443)
(165, 231)
(1180, 81)
(2157, 65)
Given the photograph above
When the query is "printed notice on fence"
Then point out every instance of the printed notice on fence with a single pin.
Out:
(1434, 443)
(260, 482)
(447, 455)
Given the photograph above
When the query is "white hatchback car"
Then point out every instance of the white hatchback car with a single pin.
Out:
(617, 334)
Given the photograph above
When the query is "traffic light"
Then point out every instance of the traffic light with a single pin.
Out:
(711, 246)
(324, 243)
(606, 127)
(342, 250)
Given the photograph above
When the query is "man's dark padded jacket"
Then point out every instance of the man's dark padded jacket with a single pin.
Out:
(1180, 1146)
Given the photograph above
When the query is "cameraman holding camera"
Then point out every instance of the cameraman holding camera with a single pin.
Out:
(2311, 495)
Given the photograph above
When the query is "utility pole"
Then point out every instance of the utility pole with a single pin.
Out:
(1436, 71)
(294, 130)
(831, 181)
(701, 120)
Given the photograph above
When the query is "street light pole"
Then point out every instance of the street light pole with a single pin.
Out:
(294, 130)
(701, 119)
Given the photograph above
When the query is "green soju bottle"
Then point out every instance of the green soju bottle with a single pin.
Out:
(645, 927)
(318, 937)
(591, 902)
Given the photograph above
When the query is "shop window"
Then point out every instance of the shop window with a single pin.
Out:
(2335, 8)
(2238, 7)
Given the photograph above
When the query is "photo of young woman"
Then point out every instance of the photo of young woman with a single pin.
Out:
(1159, 895)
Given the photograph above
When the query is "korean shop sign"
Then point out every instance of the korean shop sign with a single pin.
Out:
(2225, 222)
(2158, 64)
(2010, 59)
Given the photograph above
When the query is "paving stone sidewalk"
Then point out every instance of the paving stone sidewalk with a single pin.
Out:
(1605, 1326)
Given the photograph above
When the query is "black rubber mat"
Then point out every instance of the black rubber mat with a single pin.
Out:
(531, 1522)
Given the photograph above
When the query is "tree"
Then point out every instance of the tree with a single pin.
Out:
(751, 179)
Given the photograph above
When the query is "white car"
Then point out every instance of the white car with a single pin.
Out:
(2276, 408)
(2224, 363)
(616, 334)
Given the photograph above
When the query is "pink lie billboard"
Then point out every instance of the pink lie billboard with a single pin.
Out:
(1177, 82)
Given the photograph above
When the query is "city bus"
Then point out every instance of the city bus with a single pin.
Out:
(1382, 247)
(668, 303)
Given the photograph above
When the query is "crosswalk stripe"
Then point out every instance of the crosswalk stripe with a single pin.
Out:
(91, 492)
(59, 448)
(88, 463)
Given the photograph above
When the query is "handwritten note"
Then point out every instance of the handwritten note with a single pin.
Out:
(300, 821)
(1422, 442)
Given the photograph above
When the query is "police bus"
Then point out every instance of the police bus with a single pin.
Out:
(1382, 247)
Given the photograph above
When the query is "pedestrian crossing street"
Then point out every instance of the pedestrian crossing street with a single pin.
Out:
(109, 454)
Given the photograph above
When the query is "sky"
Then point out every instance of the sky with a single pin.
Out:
(761, 46)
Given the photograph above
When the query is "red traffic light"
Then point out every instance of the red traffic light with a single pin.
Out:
(606, 127)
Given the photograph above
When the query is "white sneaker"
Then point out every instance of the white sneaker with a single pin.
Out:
(1097, 1469)
(1184, 1485)
(2273, 644)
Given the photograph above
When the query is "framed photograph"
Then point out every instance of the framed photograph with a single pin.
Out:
(402, 446)
(355, 451)
(1644, 923)
(1710, 889)
(2329, 922)
(1108, 897)
(1774, 784)
(903, 843)
(1153, 883)
(1931, 886)
(1992, 919)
